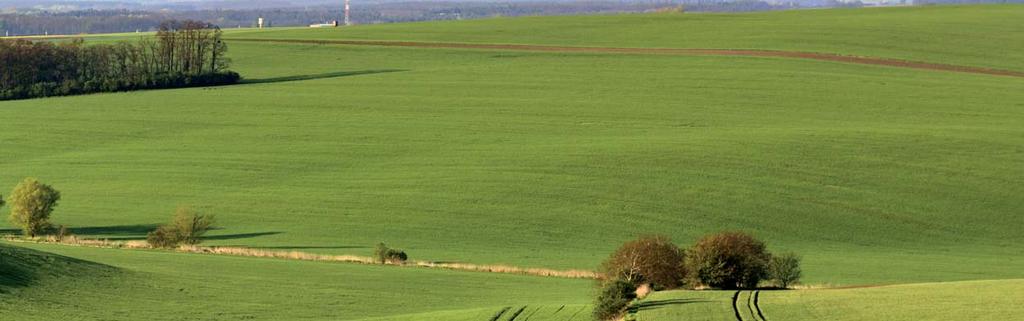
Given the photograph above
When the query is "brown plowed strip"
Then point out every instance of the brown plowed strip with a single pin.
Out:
(665, 51)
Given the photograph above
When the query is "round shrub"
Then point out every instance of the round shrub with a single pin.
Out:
(648, 259)
(728, 260)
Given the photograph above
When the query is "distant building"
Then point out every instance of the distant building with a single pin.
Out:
(323, 25)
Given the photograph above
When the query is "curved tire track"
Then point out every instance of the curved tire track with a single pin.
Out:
(757, 306)
(750, 305)
(736, 309)
(863, 60)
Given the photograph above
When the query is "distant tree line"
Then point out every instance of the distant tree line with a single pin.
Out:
(182, 54)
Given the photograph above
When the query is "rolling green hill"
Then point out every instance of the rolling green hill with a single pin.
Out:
(876, 175)
(157, 285)
(23, 269)
(978, 35)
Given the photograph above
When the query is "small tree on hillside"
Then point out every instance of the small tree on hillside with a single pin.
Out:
(380, 253)
(728, 261)
(648, 259)
(31, 205)
(191, 225)
(785, 269)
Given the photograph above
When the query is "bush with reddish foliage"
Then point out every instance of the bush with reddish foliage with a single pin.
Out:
(728, 260)
(648, 259)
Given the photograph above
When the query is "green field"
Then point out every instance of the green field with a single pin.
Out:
(876, 175)
(977, 35)
(108, 284)
(966, 300)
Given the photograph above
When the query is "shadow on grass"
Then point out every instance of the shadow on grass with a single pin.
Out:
(318, 76)
(113, 232)
(21, 267)
(238, 236)
(138, 232)
(657, 304)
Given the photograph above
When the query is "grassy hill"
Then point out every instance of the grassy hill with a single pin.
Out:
(24, 269)
(978, 35)
(877, 175)
(212, 287)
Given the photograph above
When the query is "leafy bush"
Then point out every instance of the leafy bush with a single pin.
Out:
(648, 259)
(397, 256)
(383, 255)
(31, 205)
(613, 299)
(165, 236)
(187, 227)
(728, 260)
(190, 225)
(785, 269)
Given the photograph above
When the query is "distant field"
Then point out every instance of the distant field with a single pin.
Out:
(876, 175)
(976, 35)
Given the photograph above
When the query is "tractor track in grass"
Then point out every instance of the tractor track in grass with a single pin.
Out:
(757, 306)
(752, 305)
(863, 60)
(736, 309)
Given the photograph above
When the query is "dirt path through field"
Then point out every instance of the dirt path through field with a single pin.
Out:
(665, 51)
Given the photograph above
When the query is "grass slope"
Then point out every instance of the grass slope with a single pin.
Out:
(237, 288)
(966, 300)
(876, 175)
(688, 305)
(970, 300)
(949, 301)
(976, 35)
(21, 269)
(454, 155)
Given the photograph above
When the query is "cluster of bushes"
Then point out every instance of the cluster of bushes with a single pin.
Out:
(185, 228)
(729, 260)
(32, 202)
(384, 255)
(183, 54)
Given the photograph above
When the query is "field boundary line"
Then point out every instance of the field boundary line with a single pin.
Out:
(306, 256)
(833, 57)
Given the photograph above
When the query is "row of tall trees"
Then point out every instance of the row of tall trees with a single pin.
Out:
(182, 54)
